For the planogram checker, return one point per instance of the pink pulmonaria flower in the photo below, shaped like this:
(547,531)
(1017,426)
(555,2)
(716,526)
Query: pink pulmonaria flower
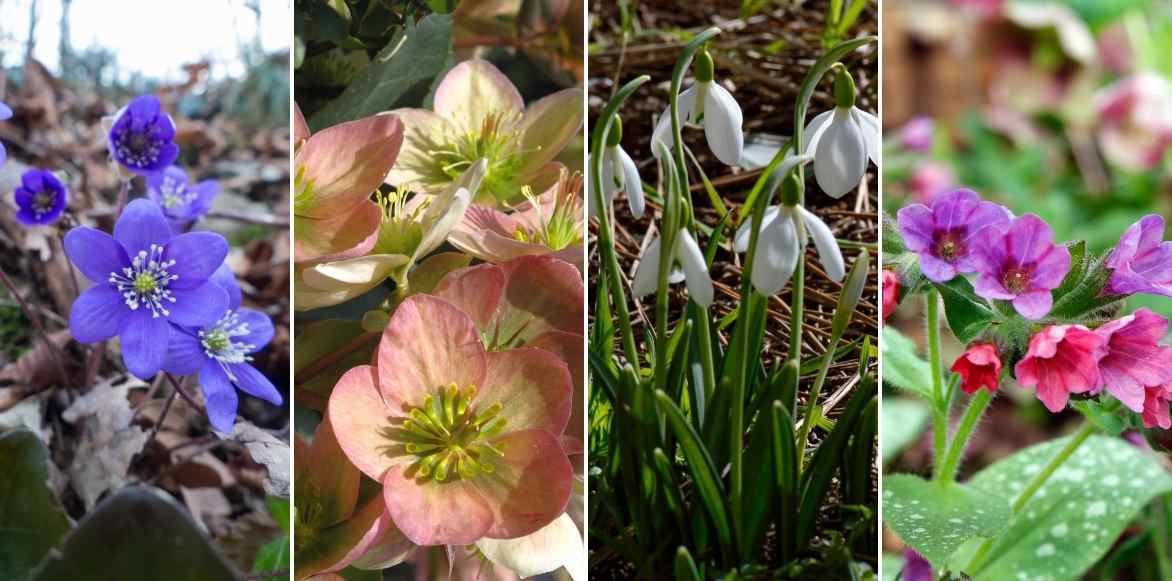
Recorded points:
(1135,359)
(1142,261)
(890,292)
(478,114)
(1156,402)
(336,170)
(551,223)
(465,442)
(1021,263)
(979,366)
(1136,121)
(916,567)
(916,135)
(1062,359)
(930,179)
(945,232)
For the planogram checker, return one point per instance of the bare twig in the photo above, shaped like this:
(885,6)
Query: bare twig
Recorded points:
(183,392)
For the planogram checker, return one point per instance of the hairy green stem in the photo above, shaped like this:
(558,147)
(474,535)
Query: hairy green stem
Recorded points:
(939,406)
(946,472)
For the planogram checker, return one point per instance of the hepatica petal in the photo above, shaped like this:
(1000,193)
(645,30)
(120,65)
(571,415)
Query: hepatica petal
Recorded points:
(95,253)
(141,225)
(144,343)
(198,306)
(531,486)
(98,314)
(219,396)
(197,255)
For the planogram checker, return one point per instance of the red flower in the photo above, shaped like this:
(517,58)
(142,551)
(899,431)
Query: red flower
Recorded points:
(979,366)
(890,292)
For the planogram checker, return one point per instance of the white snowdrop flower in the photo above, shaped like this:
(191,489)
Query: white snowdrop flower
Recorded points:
(841,140)
(688,265)
(784,231)
(619,174)
(706,102)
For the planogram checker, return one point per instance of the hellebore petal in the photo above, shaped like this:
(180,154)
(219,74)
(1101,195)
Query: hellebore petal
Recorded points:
(557,544)
(722,124)
(476,290)
(548,125)
(570,348)
(534,385)
(300,127)
(527,312)
(828,251)
(339,237)
(695,268)
(519,508)
(340,166)
(423,132)
(436,513)
(841,155)
(473,91)
(354,410)
(777,255)
(353,276)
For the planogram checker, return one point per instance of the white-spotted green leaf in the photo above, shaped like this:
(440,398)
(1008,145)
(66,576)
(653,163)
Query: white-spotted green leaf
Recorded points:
(936,519)
(1077,516)
(902,367)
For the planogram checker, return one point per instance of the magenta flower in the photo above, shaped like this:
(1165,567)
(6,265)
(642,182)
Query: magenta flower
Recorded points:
(916,135)
(1135,359)
(182,201)
(945,232)
(1020,263)
(141,138)
(929,179)
(5,114)
(1156,402)
(221,352)
(1062,359)
(464,441)
(1142,261)
(40,198)
(144,279)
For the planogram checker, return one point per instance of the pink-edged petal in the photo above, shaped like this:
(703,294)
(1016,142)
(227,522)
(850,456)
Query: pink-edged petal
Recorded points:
(533,386)
(345,164)
(436,513)
(478,234)
(334,480)
(519,508)
(383,546)
(543,293)
(429,343)
(336,547)
(141,225)
(548,124)
(472,91)
(338,237)
(476,290)
(555,545)
(571,349)
(357,412)
(95,253)
(300,127)
(423,132)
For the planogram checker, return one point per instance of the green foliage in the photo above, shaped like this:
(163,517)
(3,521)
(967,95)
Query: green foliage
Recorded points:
(902,367)
(31,520)
(274,555)
(904,419)
(968,314)
(937,518)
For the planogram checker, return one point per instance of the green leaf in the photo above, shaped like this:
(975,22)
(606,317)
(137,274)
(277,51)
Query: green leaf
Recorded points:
(279,509)
(31,520)
(1080,261)
(903,420)
(274,556)
(703,471)
(902,367)
(1077,516)
(685,566)
(968,315)
(936,519)
(166,543)
(405,67)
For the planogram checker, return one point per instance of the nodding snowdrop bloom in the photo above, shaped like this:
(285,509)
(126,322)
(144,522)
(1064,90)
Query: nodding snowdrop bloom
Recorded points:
(692,269)
(784,232)
(841,140)
(711,104)
(619,174)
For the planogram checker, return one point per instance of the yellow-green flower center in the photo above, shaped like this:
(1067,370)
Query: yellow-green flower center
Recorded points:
(144,282)
(497,142)
(448,437)
(559,226)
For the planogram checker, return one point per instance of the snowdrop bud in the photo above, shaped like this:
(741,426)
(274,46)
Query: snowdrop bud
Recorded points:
(791,190)
(615,135)
(704,68)
(844,89)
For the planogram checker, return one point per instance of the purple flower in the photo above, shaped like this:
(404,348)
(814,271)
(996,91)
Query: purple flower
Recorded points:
(5,113)
(945,233)
(220,353)
(916,135)
(1020,263)
(40,198)
(144,279)
(182,202)
(1142,261)
(916,567)
(141,137)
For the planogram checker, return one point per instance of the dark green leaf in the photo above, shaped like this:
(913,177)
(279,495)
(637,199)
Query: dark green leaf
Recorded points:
(31,520)
(685,566)
(968,314)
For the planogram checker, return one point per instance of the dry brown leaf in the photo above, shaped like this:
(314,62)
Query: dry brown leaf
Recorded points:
(209,506)
(107,441)
(37,368)
(267,450)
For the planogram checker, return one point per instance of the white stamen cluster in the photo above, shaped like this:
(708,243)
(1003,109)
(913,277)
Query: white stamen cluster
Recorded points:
(136,148)
(175,193)
(218,340)
(43,203)
(145,282)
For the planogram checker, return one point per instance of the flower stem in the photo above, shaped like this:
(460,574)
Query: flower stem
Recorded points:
(977,406)
(939,405)
(1080,437)
(183,392)
(54,350)
(123,196)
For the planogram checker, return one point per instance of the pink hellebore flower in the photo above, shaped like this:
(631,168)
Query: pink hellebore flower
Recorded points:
(1156,402)
(1135,359)
(549,224)
(478,113)
(1062,359)
(1136,121)
(464,441)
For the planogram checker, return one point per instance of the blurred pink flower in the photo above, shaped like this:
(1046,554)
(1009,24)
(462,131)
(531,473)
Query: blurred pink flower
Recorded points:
(1062,359)
(890,292)
(985,8)
(929,179)
(1156,402)
(916,135)
(1136,120)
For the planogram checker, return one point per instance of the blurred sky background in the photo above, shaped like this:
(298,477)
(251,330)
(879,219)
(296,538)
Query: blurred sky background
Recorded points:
(152,38)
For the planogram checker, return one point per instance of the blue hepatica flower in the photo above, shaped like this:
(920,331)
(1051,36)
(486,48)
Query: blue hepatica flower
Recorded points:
(145,279)
(182,201)
(141,138)
(221,351)
(5,113)
(40,198)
